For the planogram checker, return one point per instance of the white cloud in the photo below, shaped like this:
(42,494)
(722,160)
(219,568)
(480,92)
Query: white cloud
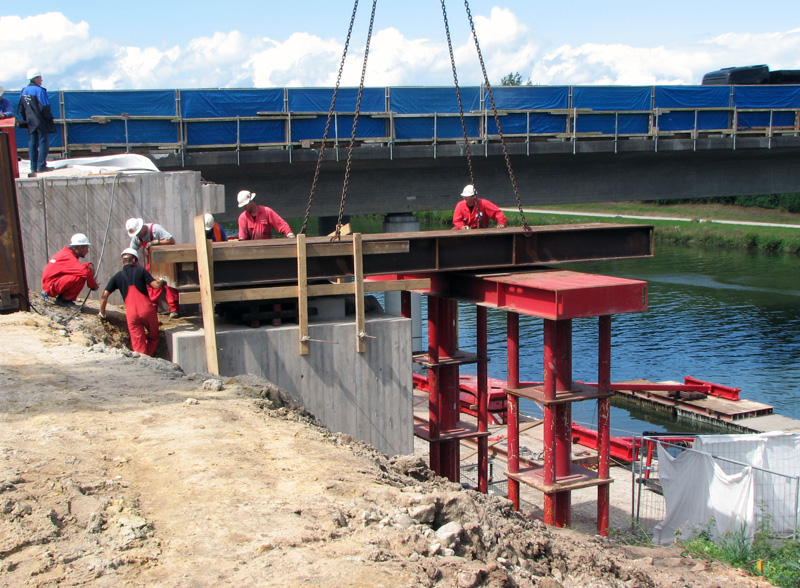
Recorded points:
(301,60)
(71,58)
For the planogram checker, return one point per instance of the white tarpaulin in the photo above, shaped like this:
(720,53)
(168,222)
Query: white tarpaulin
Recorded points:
(697,490)
(85,166)
(697,487)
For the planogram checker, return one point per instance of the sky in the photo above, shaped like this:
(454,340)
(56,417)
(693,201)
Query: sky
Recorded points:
(91,45)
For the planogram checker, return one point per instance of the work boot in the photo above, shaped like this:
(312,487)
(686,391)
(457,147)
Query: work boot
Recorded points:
(174,314)
(64,302)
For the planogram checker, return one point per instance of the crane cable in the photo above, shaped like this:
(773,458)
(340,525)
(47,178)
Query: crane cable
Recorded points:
(458,94)
(328,121)
(338,235)
(496,118)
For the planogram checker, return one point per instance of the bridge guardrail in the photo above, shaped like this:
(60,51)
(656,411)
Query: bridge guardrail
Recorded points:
(89,121)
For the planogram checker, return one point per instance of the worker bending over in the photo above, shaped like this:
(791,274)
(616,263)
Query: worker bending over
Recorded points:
(132,282)
(257,222)
(64,276)
(145,236)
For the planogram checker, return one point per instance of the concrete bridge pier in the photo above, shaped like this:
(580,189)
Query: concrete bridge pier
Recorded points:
(401,223)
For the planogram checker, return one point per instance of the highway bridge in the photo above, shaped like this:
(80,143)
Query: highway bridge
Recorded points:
(566,144)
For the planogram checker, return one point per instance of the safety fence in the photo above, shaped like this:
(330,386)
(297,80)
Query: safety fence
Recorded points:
(286,118)
(684,485)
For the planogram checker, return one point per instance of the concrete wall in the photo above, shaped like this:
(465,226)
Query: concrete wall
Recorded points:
(53,209)
(366,395)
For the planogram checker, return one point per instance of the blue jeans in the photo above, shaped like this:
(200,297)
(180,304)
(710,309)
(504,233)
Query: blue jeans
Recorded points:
(38,146)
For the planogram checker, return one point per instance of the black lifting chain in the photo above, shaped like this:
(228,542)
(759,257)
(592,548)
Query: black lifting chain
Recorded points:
(338,235)
(497,119)
(328,122)
(458,94)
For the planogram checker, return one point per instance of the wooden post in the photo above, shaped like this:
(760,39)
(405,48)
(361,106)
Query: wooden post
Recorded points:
(205,272)
(302,293)
(358,291)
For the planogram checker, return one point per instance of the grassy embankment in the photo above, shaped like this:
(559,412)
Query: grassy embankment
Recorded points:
(697,230)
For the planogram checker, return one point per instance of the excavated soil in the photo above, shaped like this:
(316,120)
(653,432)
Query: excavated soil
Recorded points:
(119,470)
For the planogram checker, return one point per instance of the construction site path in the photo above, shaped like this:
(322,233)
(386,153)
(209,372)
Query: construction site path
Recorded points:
(118,470)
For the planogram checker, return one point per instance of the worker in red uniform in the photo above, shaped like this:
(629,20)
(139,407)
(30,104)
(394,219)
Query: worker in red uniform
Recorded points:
(213,229)
(144,236)
(475,213)
(132,282)
(257,222)
(64,276)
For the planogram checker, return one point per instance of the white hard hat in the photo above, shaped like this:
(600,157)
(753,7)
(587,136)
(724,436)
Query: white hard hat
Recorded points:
(130,251)
(133,226)
(79,239)
(244,197)
(469,190)
(209,221)
(34,73)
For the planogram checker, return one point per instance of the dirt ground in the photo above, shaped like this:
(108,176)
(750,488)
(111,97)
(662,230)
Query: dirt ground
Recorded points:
(118,470)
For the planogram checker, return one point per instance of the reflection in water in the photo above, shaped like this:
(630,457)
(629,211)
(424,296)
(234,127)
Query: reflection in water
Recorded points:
(729,317)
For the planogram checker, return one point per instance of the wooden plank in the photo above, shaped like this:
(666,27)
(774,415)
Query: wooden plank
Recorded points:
(280,249)
(278,292)
(397,285)
(302,293)
(205,262)
(358,281)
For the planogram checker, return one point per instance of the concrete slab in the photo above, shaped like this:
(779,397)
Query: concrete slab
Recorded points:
(366,395)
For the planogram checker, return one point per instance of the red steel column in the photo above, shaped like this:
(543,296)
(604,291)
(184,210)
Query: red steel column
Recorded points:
(549,431)
(483,398)
(512,416)
(433,382)
(603,422)
(563,420)
(449,406)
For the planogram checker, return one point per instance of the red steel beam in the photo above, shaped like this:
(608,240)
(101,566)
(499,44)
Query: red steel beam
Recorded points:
(548,294)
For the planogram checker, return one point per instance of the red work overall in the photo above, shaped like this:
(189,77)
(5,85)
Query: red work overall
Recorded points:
(140,313)
(171,294)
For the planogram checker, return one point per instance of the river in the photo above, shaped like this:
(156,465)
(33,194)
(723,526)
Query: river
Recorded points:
(728,317)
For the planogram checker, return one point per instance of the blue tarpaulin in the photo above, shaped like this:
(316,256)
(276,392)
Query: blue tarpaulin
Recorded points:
(85,104)
(434,101)
(319,100)
(766,97)
(693,97)
(528,98)
(412,114)
(230,103)
(611,98)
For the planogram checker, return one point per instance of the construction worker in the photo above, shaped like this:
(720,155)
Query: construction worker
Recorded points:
(145,236)
(64,276)
(133,282)
(475,213)
(213,230)
(257,222)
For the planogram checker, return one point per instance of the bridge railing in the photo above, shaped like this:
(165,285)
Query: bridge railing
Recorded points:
(291,118)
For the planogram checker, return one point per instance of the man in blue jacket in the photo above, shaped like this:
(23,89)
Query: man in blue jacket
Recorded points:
(34,110)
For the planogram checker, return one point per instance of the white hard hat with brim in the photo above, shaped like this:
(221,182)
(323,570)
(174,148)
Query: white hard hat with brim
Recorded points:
(469,190)
(34,73)
(133,226)
(208,221)
(244,197)
(130,251)
(78,240)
